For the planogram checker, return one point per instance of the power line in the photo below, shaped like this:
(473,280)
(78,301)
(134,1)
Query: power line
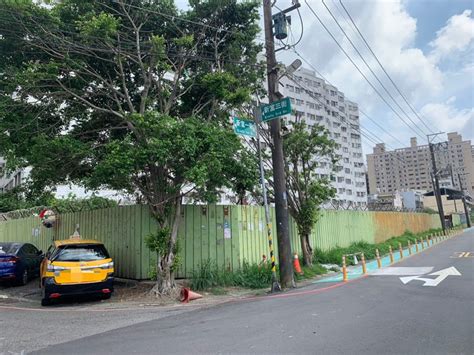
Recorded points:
(341,121)
(383,68)
(381,127)
(370,68)
(366,115)
(366,135)
(360,71)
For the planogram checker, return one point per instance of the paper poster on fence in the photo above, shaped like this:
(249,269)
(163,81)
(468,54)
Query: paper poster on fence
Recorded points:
(227,232)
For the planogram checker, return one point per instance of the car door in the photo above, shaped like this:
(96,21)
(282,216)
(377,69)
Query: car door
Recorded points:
(24,260)
(36,257)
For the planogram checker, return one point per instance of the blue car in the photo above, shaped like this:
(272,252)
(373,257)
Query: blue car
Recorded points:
(19,262)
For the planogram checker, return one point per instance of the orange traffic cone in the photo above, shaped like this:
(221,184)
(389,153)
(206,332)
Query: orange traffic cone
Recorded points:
(188,295)
(296,265)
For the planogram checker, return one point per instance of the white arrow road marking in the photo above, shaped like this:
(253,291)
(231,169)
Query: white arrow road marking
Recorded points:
(442,274)
(4,296)
(402,271)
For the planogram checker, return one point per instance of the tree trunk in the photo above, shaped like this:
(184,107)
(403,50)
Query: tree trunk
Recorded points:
(165,282)
(307,250)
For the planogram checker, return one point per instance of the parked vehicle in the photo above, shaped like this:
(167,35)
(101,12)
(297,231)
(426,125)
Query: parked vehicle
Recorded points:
(19,262)
(76,267)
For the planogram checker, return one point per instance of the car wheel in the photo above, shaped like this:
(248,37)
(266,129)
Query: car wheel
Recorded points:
(23,280)
(45,302)
(106,296)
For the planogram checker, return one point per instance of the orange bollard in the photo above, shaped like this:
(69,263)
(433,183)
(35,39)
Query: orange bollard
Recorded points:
(390,253)
(377,257)
(344,269)
(364,267)
(409,248)
(416,245)
(400,250)
(296,265)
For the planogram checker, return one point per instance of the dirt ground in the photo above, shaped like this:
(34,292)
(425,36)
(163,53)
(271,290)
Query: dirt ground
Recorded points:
(127,292)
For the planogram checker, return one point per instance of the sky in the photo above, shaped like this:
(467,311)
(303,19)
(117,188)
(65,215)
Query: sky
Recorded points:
(426,46)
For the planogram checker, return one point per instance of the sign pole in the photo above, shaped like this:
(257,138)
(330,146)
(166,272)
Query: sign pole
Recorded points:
(275,285)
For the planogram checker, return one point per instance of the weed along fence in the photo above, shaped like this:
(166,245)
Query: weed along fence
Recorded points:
(227,235)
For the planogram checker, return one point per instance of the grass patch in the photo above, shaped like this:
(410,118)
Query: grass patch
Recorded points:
(218,291)
(208,276)
(310,272)
(334,256)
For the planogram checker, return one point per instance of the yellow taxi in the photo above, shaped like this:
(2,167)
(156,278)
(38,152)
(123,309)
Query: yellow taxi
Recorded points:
(76,267)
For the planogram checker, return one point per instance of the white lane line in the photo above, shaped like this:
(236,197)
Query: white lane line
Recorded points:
(402,271)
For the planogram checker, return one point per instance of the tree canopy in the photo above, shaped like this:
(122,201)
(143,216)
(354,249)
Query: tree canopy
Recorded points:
(128,94)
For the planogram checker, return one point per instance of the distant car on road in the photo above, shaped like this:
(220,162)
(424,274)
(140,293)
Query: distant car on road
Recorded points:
(19,262)
(76,267)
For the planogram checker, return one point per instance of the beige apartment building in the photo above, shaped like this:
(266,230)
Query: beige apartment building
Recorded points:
(409,168)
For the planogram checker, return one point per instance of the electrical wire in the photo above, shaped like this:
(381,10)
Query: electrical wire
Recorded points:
(350,127)
(383,68)
(366,115)
(209,26)
(360,71)
(370,69)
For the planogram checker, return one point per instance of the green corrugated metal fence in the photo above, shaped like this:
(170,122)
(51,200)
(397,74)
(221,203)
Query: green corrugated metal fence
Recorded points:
(228,235)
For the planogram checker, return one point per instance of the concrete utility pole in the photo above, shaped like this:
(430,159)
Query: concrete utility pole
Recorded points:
(279,179)
(452,182)
(468,221)
(436,189)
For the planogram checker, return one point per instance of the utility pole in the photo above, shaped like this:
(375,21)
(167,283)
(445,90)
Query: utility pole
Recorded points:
(279,178)
(452,182)
(468,221)
(436,189)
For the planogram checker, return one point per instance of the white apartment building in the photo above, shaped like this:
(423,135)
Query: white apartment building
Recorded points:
(410,168)
(11,180)
(320,103)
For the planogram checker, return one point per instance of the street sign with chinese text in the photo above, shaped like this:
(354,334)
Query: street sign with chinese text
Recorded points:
(276,109)
(244,128)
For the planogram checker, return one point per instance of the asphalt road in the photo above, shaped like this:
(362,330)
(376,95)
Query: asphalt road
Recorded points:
(370,315)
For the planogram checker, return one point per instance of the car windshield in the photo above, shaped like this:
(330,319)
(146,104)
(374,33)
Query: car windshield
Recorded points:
(9,248)
(81,253)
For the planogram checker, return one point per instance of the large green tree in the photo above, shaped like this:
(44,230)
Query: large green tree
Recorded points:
(130,95)
(306,148)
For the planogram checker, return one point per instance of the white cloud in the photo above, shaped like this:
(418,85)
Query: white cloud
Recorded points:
(391,32)
(446,117)
(456,36)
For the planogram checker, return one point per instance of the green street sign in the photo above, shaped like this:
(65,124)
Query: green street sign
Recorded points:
(245,128)
(276,109)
